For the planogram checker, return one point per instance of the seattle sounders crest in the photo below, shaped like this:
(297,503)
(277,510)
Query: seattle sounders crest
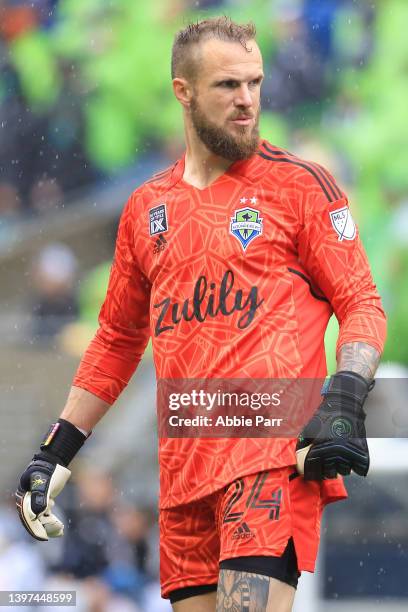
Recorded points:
(246,225)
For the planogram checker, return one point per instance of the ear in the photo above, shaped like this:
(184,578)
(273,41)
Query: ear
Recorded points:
(183,91)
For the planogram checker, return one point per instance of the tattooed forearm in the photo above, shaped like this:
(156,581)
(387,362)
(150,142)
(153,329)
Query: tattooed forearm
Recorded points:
(242,592)
(358,357)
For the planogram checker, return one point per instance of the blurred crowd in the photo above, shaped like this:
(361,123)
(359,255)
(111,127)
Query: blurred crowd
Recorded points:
(110,557)
(76,103)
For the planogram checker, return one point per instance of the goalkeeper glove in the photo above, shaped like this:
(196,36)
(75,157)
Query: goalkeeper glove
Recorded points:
(45,477)
(334,441)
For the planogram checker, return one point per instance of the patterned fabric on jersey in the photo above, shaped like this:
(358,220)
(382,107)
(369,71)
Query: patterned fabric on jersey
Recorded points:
(237,280)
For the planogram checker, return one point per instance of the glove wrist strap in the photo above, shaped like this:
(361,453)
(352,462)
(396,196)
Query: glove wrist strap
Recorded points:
(62,442)
(348,385)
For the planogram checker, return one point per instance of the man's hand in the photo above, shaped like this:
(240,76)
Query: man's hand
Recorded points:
(44,479)
(40,483)
(334,441)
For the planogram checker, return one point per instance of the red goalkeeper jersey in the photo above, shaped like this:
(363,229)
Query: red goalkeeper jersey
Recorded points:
(237,280)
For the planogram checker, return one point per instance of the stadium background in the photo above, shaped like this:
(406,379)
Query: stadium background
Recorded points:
(86,114)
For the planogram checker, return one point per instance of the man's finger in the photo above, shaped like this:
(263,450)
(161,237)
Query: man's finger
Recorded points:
(313,468)
(301,455)
(30,520)
(52,525)
(343,467)
(361,467)
(330,469)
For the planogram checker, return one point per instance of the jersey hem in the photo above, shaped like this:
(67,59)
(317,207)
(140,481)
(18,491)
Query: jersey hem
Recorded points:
(165,503)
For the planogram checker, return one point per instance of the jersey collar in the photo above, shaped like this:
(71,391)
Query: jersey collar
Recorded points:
(244,168)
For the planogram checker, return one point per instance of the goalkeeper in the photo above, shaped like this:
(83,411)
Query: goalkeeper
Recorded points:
(233,261)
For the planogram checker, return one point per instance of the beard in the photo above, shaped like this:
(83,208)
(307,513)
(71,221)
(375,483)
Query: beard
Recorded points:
(219,141)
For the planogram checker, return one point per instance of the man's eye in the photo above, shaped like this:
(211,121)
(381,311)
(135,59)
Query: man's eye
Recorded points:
(229,84)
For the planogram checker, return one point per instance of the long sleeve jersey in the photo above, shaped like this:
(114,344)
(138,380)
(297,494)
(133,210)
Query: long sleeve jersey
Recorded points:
(237,280)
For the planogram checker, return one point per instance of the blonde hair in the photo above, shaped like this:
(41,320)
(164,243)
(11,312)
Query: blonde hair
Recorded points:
(183,60)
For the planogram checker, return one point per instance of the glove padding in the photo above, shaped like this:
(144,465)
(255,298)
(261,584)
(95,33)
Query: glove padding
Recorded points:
(41,482)
(334,441)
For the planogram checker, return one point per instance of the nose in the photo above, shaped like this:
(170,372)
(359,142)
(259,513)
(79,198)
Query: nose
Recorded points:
(243,97)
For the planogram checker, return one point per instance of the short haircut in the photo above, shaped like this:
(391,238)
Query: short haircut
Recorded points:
(183,58)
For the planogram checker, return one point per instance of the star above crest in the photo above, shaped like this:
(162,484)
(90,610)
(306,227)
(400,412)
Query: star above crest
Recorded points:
(244,200)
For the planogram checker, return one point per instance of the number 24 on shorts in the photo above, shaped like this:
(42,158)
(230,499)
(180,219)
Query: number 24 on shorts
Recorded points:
(254,499)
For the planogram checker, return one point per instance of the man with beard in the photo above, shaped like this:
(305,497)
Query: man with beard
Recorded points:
(233,260)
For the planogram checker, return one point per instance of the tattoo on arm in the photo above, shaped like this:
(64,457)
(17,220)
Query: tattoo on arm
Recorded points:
(358,357)
(242,592)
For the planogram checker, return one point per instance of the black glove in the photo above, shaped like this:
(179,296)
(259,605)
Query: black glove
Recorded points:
(334,441)
(45,477)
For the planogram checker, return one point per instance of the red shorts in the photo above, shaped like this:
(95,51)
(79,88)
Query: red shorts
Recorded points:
(256,515)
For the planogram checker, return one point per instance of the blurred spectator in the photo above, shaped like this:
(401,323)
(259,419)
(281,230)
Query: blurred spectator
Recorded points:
(352,38)
(319,17)
(46,11)
(54,301)
(19,16)
(132,525)
(16,18)
(295,75)
(340,31)
(42,152)
(127,571)
(100,598)
(87,549)
(107,547)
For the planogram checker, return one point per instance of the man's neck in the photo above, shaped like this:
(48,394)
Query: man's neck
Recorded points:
(202,167)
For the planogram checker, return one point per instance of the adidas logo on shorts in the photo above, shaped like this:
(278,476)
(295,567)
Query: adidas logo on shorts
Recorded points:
(243,532)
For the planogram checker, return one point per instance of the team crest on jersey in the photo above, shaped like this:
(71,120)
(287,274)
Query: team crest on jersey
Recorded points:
(343,223)
(246,225)
(158,220)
